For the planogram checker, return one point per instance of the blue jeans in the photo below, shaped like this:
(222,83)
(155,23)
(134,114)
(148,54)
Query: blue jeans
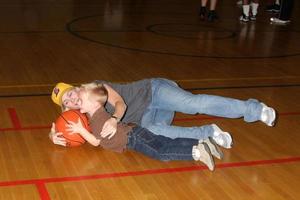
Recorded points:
(168,98)
(160,147)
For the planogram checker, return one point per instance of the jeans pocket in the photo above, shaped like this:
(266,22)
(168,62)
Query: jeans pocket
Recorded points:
(144,135)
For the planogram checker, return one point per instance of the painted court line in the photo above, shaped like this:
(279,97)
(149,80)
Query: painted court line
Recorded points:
(14,118)
(150,172)
(41,183)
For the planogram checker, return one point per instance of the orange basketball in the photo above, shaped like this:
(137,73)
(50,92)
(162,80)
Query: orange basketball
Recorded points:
(74,139)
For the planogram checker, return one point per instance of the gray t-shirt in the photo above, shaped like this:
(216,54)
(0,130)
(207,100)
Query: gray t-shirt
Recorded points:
(137,96)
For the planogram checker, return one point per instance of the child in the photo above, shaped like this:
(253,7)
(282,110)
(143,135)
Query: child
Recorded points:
(249,10)
(94,96)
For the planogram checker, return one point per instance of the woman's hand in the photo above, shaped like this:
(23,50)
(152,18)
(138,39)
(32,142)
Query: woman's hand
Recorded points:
(109,128)
(74,127)
(56,137)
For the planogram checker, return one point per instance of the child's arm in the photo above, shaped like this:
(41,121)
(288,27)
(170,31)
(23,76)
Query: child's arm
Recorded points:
(73,127)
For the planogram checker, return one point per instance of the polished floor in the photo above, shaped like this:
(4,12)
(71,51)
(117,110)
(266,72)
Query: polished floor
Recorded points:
(44,42)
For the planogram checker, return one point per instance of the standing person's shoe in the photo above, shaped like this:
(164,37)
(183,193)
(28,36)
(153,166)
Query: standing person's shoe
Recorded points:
(253,17)
(268,115)
(212,15)
(244,18)
(273,8)
(275,20)
(202,12)
(202,153)
(213,147)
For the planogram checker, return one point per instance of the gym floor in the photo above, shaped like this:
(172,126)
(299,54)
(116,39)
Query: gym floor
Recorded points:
(45,42)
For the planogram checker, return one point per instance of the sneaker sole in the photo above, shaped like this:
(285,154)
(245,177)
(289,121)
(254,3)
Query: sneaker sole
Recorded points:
(211,164)
(214,149)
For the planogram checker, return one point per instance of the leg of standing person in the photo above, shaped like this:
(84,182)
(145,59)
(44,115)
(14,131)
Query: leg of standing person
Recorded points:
(254,8)
(203,9)
(246,11)
(273,6)
(212,15)
(286,8)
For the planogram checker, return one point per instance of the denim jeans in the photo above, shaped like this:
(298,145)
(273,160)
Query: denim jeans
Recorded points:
(160,147)
(168,98)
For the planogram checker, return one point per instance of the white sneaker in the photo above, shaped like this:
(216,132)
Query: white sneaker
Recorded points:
(202,153)
(222,138)
(213,147)
(268,115)
(276,20)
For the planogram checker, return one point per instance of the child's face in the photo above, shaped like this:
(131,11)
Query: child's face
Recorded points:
(88,104)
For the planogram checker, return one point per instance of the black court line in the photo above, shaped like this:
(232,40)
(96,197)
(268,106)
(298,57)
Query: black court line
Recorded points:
(77,34)
(190,89)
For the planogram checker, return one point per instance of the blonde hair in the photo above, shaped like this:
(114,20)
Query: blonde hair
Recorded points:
(96,91)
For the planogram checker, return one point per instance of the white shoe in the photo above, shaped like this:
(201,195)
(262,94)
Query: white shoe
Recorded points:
(268,115)
(213,147)
(222,138)
(202,153)
(276,20)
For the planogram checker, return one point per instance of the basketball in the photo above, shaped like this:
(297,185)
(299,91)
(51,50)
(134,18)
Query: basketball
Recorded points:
(74,139)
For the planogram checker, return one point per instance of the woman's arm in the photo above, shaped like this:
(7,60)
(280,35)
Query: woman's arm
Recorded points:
(73,127)
(56,137)
(116,101)
(110,126)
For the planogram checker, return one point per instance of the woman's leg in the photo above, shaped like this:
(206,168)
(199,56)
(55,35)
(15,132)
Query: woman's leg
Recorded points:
(158,122)
(151,121)
(166,95)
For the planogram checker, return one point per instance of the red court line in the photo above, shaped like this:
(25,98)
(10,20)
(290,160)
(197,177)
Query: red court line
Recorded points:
(43,192)
(14,118)
(149,172)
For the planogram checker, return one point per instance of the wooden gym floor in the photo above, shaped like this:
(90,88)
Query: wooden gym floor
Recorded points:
(44,42)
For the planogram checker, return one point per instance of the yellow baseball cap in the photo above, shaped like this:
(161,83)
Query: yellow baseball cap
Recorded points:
(59,90)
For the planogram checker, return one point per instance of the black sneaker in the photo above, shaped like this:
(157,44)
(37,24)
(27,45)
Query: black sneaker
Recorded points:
(253,17)
(212,15)
(202,12)
(244,18)
(273,8)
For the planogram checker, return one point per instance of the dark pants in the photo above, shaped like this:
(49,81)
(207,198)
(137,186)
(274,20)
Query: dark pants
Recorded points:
(160,147)
(286,8)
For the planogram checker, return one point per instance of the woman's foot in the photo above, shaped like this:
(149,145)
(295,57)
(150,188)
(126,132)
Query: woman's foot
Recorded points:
(202,153)
(268,115)
(222,138)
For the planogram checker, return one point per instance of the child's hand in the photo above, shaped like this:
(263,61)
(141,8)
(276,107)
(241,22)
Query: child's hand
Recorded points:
(73,127)
(109,128)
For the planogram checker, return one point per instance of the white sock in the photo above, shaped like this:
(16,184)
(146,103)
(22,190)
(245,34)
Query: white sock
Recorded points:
(254,7)
(277,2)
(246,9)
